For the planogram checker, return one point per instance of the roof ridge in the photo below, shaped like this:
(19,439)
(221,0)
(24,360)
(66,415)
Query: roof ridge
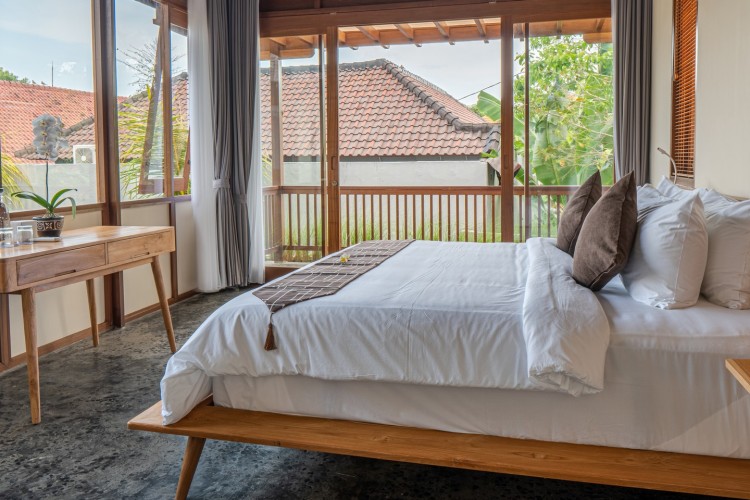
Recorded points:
(309,68)
(414,84)
(46,87)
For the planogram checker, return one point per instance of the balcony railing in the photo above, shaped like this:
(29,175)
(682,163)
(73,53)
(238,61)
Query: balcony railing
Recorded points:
(294,215)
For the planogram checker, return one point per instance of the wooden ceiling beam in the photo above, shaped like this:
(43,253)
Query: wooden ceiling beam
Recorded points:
(482,30)
(289,19)
(373,35)
(279,41)
(444,31)
(408,32)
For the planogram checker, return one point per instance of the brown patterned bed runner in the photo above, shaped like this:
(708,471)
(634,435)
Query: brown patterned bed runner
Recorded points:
(325,277)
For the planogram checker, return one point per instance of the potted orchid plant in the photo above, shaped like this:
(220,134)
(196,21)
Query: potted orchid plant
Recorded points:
(48,141)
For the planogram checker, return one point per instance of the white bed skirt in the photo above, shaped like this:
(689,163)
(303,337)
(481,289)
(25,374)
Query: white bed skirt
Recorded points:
(655,400)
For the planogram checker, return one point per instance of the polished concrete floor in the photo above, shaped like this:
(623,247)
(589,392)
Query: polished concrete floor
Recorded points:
(83,450)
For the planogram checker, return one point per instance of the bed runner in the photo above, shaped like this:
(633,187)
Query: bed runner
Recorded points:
(325,277)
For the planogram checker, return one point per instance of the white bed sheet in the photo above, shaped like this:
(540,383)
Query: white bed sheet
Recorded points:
(665,389)
(434,314)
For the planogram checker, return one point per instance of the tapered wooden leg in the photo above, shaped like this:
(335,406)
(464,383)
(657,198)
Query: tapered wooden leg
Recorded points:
(92,312)
(193,452)
(156,268)
(32,354)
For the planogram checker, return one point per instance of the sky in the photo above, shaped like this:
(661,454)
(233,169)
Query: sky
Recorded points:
(461,69)
(34,35)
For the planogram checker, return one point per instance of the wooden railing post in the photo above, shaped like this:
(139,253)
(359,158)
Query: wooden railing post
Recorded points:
(444,213)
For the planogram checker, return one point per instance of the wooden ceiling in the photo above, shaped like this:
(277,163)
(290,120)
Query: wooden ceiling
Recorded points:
(386,35)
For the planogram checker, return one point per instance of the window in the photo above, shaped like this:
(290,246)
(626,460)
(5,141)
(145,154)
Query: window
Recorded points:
(563,117)
(683,86)
(47,69)
(151,68)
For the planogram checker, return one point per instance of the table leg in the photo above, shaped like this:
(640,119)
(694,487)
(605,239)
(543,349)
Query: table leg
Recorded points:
(159,281)
(32,354)
(92,312)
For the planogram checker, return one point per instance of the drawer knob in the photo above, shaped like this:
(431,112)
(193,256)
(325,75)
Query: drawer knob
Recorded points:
(65,272)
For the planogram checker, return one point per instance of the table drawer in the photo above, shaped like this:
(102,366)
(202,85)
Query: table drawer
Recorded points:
(59,263)
(140,247)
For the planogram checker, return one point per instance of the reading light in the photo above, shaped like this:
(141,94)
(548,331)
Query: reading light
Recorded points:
(674,165)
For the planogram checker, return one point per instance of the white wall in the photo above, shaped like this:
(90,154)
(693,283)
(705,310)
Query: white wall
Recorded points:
(722,104)
(393,173)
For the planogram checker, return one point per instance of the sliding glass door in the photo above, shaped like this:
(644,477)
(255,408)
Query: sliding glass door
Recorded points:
(402,130)
(563,107)
(419,129)
(293,132)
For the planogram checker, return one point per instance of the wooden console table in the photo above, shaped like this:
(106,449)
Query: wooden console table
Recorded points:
(82,255)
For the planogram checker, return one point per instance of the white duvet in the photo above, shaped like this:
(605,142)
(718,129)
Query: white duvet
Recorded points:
(450,314)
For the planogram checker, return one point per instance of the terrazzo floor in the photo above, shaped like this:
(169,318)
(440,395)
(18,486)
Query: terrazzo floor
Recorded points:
(82,448)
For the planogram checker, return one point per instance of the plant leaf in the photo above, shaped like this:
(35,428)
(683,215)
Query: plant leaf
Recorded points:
(58,194)
(72,204)
(27,195)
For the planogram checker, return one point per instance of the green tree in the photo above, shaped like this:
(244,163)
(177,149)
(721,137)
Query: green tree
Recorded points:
(570,110)
(11,77)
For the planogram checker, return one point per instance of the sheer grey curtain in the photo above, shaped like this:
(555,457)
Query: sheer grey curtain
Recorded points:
(631,23)
(233,53)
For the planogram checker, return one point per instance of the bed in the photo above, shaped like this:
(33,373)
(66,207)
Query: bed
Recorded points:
(488,342)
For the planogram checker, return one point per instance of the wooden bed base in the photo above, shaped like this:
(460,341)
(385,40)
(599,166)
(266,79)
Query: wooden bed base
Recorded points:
(591,464)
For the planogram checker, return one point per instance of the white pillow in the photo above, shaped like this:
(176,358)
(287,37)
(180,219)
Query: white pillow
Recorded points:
(666,265)
(727,278)
(649,199)
(669,188)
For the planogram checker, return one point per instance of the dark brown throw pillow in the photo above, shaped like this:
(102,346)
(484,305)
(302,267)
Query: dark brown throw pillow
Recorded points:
(607,236)
(575,212)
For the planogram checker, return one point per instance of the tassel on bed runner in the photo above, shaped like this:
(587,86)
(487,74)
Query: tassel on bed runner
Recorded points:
(325,277)
(270,339)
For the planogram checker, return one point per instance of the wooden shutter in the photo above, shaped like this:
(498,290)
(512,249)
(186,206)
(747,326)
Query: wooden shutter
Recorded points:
(683,86)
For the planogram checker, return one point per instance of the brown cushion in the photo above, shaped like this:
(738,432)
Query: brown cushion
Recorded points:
(607,236)
(576,211)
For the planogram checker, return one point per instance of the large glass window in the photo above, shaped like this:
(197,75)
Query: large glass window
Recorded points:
(46,67)
(564,116)
(180,117)
(141,102)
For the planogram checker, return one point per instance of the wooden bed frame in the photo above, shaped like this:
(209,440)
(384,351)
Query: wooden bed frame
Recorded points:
(591,464)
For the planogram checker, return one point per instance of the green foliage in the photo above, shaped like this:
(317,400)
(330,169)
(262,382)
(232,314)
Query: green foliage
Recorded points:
(11,77)
(51,204)
(570,109)
(13,179)
(487,106)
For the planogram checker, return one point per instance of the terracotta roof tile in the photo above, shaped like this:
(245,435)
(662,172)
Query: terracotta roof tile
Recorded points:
(20,103)
(82,133)
(384,111)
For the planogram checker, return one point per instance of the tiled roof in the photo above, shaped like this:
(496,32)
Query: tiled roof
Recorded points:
(20,103)
(82,133)
(384,111)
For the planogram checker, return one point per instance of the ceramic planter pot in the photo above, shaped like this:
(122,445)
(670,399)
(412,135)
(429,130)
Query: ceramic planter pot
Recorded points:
(49,226)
